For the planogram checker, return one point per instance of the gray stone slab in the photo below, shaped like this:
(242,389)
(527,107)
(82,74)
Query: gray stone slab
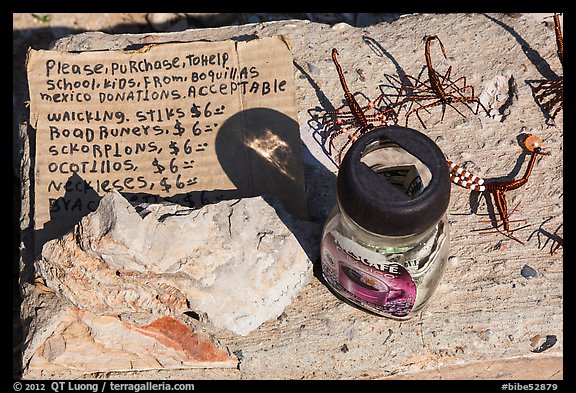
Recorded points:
(484,314)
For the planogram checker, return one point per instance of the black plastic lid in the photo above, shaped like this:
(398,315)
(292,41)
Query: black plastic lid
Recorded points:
(380,206)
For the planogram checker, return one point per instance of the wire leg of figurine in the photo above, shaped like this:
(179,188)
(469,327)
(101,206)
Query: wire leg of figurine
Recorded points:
(456,109)
(480,105)
(504,215)
(378,100)
(423,107)
(553,116)
(506,232)
(469,98)
(453,107)
(340,121)
(454,86)
(444,110)
(447,77)
(333,135)
(548,91)
(351,139)
(550,104)
(500,202)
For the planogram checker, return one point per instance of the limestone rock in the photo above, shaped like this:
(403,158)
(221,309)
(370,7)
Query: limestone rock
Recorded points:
(498,95)
(235,263)
(68,340)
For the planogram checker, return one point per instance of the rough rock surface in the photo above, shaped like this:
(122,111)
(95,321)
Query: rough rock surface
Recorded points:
(234,262)
(484,315)
(110,291)
(79,340)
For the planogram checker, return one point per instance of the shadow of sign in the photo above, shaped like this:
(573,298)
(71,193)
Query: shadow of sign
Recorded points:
(261,153)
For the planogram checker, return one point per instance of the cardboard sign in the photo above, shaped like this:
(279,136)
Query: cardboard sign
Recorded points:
(189,122)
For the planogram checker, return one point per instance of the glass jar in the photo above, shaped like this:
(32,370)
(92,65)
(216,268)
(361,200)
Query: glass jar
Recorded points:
(386,242)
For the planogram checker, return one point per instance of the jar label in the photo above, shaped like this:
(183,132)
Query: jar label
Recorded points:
(367,278)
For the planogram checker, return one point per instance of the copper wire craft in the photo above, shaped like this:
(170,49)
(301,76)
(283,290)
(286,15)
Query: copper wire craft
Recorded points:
(437,88)
(549,94)
(357,118)
(498,188)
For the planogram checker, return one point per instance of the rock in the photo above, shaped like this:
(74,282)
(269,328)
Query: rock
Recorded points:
(70,339)
(235,263)
(540,345)
(498,95)
(527,272)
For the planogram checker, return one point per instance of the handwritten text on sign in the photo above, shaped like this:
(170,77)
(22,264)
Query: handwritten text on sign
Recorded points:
(146,121)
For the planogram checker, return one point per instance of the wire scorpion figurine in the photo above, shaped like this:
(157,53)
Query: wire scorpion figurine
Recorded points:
(499,188)
(356,117)
(440,89)
(553,89)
